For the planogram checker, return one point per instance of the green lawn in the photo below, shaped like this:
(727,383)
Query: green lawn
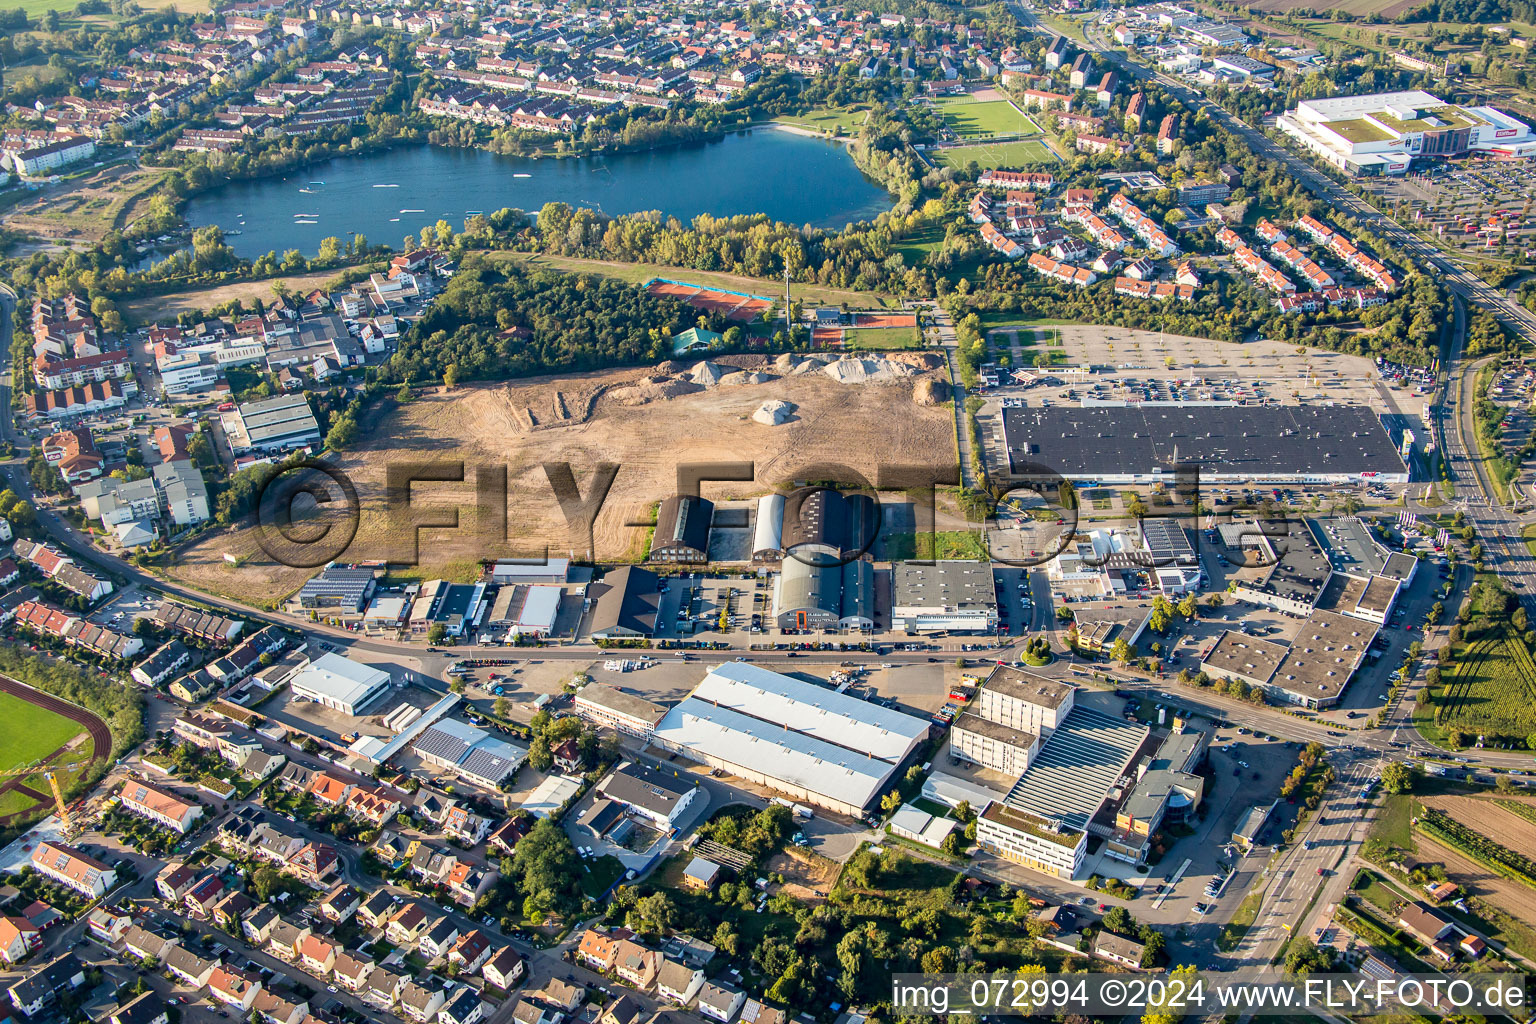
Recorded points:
(960,544)
(639,273)
(602,873)
(981,119)
(881,337)
(828,119)
(997,155)
(28,733)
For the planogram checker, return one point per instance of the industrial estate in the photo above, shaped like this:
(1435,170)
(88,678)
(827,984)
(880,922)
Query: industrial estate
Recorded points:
(662,513)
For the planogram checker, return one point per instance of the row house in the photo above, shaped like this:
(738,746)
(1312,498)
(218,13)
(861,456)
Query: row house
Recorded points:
(1099,144)
(1034,180)
(47,620)
(1313,274)
(84,400)
(160,806)
(1001,242)
(1040,99)
(1065,273)
(1269,231)
(73,869)
(1133,288)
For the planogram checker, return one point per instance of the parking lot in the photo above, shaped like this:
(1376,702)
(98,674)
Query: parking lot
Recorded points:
(1477,204)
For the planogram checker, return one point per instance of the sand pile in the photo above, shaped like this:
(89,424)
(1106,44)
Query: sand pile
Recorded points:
(773,412)
(917,360)
(706,373)
(853,370)
(929,392)
(746,377)
(654,389)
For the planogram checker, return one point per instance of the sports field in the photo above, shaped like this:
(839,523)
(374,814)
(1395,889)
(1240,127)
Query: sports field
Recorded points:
(28,732)
(971,118)
(997,156)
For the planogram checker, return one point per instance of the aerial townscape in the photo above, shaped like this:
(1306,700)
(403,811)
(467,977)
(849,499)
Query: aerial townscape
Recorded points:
(663,512)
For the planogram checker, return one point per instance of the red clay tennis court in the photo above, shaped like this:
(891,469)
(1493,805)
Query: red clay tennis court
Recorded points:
(733,305)
(884,320)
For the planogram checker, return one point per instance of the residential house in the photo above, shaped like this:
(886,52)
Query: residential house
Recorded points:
(438,939)
(18,938)
(505,969)
(597,950)
(383,987)
(623,1010)
(146,1008)
(108,924)
(314,865)
(317,955)
(635,965)
(376,910)
(258,927)
(274,1009)
(470,952)
(463,1007)
(40,989)
(350,972)
(420,1003)
(506,835)
(186,965)
(340,904)
(142,944)
(467,827)
(406,926)
(719,1001)
(677,981)
(234,987)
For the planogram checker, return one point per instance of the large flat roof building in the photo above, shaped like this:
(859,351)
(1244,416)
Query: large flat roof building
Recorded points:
(1143,443)
(272,424)
(339,683)
(953,596)
(1043,822)
(1382,133)
(805,740)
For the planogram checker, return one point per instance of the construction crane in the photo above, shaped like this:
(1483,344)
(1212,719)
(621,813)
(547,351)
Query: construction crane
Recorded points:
(53,783)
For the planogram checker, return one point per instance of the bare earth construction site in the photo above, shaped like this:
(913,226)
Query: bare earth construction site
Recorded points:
(648,421)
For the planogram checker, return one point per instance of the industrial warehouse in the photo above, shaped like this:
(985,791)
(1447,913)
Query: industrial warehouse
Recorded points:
(814,744)
(1143,443)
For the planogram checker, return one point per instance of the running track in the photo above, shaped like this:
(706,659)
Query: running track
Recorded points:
(101,737)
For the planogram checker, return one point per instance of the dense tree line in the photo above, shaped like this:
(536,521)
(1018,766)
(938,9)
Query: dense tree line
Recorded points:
(577,322)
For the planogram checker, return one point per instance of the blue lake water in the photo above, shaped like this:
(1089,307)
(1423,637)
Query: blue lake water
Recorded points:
(388,195)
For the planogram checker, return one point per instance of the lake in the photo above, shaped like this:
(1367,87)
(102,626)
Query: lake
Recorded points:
(388,195)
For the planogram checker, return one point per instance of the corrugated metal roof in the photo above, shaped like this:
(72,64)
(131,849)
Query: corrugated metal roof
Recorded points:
(1073,773)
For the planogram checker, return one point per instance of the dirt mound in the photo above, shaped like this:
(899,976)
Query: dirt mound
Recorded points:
(654,389)
(706,373)
(929,392)
(917,360)
(773,412)
(853,370)
(747,377)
